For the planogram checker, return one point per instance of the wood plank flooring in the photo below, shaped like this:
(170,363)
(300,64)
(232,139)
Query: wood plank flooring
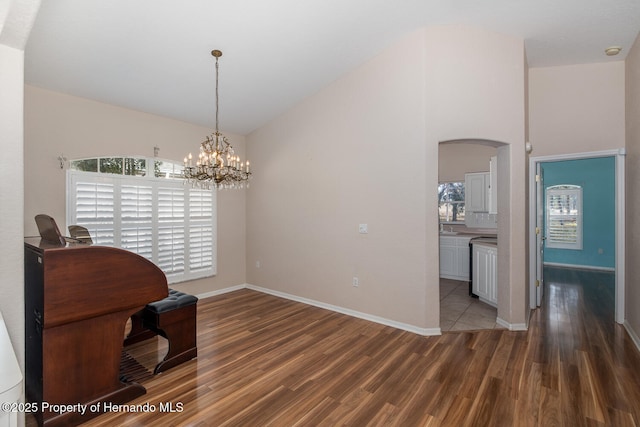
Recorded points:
(266,361)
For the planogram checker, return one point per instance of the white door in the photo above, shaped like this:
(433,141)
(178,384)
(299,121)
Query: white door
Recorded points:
(540,238)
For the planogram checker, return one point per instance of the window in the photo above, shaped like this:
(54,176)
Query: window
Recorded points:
(152,214)
(451,202)
(564,217)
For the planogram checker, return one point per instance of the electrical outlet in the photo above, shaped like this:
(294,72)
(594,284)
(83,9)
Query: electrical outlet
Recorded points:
(363,228)
(257,264)
(356,282)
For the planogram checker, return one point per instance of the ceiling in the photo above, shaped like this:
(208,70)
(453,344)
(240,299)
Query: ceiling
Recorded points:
(154,55)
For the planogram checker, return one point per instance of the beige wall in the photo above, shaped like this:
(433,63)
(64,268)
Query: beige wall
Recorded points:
(577,108)
(353,153)
(632,297)
(58,124)
(475,89)
(365,150)
(454,160)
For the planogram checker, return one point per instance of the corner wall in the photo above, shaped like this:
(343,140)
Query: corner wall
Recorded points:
(11,194)
(632,107)
(16,20)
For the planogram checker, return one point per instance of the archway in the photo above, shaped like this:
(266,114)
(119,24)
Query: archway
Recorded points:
(457,157)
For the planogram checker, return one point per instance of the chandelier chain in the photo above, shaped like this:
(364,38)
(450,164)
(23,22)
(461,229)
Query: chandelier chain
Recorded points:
(217,94)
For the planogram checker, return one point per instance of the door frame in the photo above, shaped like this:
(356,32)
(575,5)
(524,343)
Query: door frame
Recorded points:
(539,235)
(620,230)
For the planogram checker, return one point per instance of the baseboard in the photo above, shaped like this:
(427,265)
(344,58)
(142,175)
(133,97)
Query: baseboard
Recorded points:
(579,267)
(511,326)
(221,291)
(632,334)
(372,318)
(349,312)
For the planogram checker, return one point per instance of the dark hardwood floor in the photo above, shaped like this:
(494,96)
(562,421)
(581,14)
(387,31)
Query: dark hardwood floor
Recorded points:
(266,361)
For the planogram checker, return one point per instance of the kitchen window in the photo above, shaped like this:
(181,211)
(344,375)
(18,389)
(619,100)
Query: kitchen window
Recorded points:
(564,217)
(451,202)
(142,205)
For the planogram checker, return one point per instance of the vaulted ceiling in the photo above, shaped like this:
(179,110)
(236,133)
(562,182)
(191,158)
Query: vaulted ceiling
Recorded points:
(154,55)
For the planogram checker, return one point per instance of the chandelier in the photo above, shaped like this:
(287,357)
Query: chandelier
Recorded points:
(217,166)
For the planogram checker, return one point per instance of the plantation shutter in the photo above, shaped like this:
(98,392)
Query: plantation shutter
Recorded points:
(201,232)
(136,204)
(171,229)
(160,219)
(564,217)
(94,209)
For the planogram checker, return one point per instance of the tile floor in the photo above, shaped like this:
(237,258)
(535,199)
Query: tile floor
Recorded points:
(460,312)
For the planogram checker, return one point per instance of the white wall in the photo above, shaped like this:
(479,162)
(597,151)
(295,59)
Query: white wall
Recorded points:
(16,21)
(11,192)
(58,124)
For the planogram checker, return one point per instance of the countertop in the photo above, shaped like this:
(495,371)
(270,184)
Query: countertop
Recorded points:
(486,241)
(475,238)
(467,234)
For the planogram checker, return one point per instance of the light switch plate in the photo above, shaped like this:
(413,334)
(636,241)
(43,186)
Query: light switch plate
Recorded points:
(363,229)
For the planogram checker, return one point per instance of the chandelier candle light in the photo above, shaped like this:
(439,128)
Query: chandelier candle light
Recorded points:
(217,165)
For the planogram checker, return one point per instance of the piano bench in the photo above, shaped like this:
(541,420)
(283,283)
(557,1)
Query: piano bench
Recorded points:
(173,318)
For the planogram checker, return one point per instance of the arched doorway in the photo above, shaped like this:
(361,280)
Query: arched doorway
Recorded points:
(458,309)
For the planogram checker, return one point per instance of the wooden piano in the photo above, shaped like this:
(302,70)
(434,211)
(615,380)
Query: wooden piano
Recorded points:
(78,299)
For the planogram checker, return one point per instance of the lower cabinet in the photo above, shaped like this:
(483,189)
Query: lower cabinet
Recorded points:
(485,277)
(454,257)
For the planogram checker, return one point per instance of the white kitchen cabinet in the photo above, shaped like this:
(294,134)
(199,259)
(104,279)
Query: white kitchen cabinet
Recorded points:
(485,277)
(454,257)
(476,191)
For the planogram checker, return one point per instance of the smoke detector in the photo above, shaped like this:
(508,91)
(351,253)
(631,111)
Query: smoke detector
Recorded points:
(612,50)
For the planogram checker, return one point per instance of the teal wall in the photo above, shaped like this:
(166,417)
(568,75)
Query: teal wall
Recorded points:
(597,179)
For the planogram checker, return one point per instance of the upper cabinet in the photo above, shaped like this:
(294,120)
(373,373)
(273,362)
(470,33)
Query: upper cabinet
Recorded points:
(476,187)
(481,197)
